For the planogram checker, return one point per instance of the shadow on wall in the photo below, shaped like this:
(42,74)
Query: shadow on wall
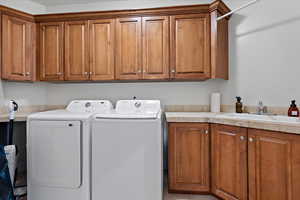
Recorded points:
(242,53)
(270,26)
(231,86)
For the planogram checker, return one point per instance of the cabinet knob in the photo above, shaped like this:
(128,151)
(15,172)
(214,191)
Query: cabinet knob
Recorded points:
(242,138)
(206,132)
(139,71)
(251,139)
(91,73)
(173,70)
(59,73)
(27,73)
(86,73)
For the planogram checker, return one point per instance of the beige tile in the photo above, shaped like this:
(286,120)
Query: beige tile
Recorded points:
(186,108)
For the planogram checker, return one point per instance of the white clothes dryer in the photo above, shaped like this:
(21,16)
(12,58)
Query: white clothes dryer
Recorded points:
(58,151)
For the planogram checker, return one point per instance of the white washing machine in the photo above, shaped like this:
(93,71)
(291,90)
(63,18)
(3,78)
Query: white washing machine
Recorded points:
(127,152)
(58,151)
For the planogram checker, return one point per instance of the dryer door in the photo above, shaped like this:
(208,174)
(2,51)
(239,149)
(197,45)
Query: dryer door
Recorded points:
(55,153)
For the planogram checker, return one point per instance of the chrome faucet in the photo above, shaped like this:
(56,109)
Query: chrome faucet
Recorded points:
(261,109)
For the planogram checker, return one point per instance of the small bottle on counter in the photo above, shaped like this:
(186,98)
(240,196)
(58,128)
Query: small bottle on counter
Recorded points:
(293,110)
(239,105)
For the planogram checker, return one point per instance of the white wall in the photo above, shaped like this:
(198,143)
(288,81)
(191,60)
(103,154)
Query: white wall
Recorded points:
(25,93)
(169,93)
(24,5)
(264,48)
(264,53)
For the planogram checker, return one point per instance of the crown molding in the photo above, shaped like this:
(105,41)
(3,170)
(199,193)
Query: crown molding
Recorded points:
(217,5)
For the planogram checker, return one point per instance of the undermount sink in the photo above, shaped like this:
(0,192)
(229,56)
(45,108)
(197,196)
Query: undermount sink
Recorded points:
(274,118)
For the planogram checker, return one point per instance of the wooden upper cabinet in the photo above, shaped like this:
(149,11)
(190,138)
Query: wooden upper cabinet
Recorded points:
(219,47)
(229,162)
(189,157)
(155,47)
(128,50)
(274,165)
(102,46)
(18,49)
(76,51)
(190,46)
(51,51)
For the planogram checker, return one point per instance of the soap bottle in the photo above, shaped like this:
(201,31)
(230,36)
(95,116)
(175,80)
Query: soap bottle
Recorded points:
(239,105)
(293,110)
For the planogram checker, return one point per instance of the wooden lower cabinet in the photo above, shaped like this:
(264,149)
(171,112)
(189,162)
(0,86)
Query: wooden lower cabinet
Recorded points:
(189,157)
(274,165)
(246,164)
(229,162)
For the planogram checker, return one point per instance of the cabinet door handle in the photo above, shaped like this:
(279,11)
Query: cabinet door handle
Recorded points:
(242,138)
(251,139)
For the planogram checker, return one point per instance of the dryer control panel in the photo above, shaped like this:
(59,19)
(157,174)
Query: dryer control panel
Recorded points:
(90,106)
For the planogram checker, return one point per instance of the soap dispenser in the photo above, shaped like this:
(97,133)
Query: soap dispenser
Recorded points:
(239,105)
(293,110)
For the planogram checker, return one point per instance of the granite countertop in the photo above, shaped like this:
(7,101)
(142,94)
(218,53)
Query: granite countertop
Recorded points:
(272,123)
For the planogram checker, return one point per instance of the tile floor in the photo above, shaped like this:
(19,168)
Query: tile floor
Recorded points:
(168,196)
(172,196)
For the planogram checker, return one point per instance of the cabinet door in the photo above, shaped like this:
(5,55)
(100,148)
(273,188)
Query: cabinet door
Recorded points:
(274,165)
(229,162)
(190,46)
(129,56)
(19,50)
(155,47)
(76,51)
(51,51)
(31,52)
(102,45)
(189,157)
